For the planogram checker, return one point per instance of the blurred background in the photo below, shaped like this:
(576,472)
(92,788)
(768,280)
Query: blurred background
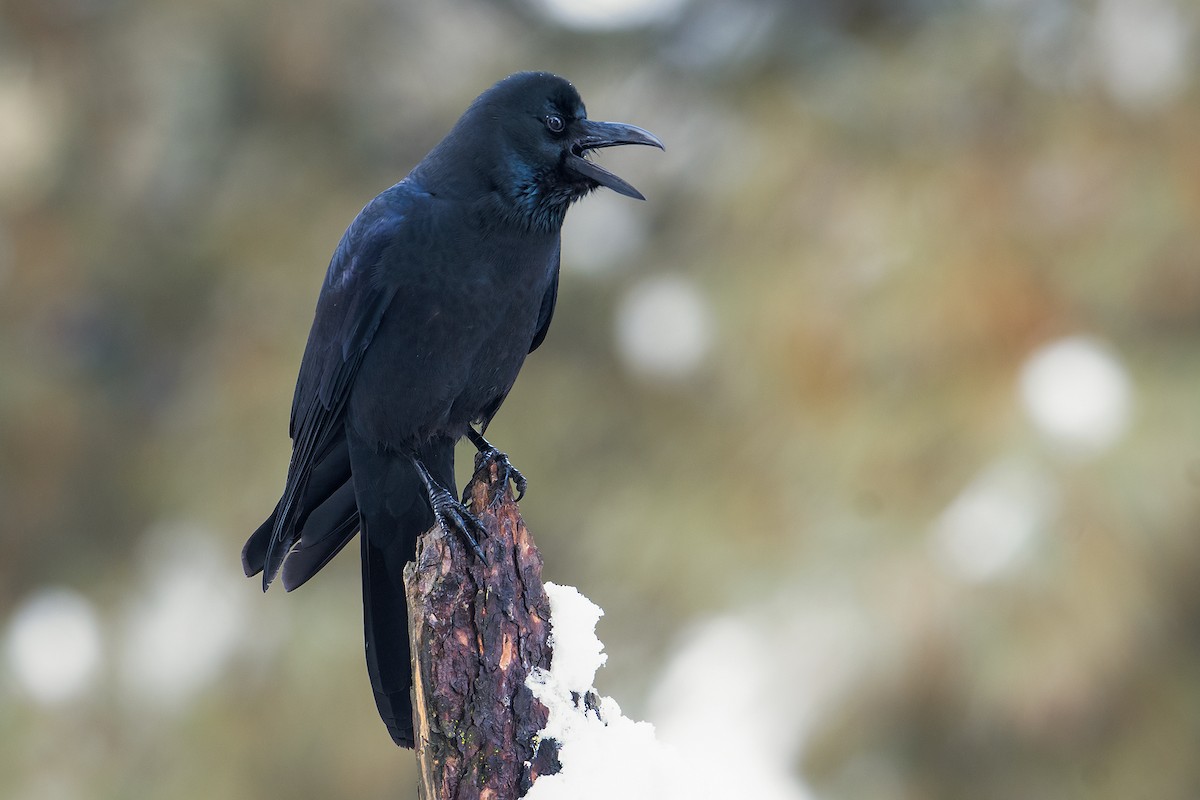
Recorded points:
(874,431)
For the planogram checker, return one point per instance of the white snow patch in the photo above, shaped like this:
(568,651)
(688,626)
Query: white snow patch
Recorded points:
(578,653)
(737,701)
(604,755)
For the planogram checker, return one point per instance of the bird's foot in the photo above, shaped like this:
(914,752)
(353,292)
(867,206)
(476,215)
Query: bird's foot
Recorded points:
(451,514)
(489,455)
(504,468)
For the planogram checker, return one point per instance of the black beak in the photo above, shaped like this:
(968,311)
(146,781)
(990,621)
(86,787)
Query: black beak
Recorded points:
(592,135)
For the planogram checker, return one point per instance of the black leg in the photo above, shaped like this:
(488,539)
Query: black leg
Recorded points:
(449,512)
(489,455)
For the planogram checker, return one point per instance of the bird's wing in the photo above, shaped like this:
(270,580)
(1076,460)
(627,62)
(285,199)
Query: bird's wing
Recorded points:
(353,300)
(546,313)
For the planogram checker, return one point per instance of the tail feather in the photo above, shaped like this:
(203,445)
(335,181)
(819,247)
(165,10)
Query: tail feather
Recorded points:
(327,530)
(321,519)
(254,553)
(354,486)
(385,623)
(395,512)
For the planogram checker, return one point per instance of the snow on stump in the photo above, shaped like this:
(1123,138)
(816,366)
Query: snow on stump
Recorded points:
(478,630)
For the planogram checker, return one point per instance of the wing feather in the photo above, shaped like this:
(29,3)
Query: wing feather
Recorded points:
(546,313)
(352,304)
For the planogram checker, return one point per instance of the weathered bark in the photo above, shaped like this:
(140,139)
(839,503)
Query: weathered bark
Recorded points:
(477,630)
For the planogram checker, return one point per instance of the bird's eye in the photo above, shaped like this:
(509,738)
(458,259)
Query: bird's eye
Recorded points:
(555,123)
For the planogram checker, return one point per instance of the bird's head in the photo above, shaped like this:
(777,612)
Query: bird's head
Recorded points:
(531,137)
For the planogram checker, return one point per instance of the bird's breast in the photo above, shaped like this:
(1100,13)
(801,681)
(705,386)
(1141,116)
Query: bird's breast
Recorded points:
(454,338)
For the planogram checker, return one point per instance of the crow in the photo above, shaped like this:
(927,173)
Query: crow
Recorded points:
(438,290)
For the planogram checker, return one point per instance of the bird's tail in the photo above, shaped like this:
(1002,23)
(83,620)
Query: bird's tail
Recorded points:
(385,623)
(324,520)
(394,512)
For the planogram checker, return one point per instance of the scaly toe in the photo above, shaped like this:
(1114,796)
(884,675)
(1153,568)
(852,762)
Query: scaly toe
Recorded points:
(507,472)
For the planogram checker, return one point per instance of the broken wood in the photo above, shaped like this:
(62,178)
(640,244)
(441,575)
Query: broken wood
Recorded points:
(477,630)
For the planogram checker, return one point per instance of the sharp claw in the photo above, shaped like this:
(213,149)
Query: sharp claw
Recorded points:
(489,455)
(452,515)
(475,542)
(514,476)
(508,473)
(520,483)
(471,540)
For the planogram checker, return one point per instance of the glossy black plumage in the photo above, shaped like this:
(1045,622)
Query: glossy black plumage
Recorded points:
(438,290)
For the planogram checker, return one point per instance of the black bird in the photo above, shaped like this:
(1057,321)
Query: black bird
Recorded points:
(436,293)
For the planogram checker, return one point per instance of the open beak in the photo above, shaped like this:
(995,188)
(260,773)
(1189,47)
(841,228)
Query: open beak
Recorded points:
(593,135)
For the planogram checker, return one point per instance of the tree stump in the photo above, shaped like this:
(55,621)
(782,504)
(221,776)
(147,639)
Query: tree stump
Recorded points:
(477,630)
